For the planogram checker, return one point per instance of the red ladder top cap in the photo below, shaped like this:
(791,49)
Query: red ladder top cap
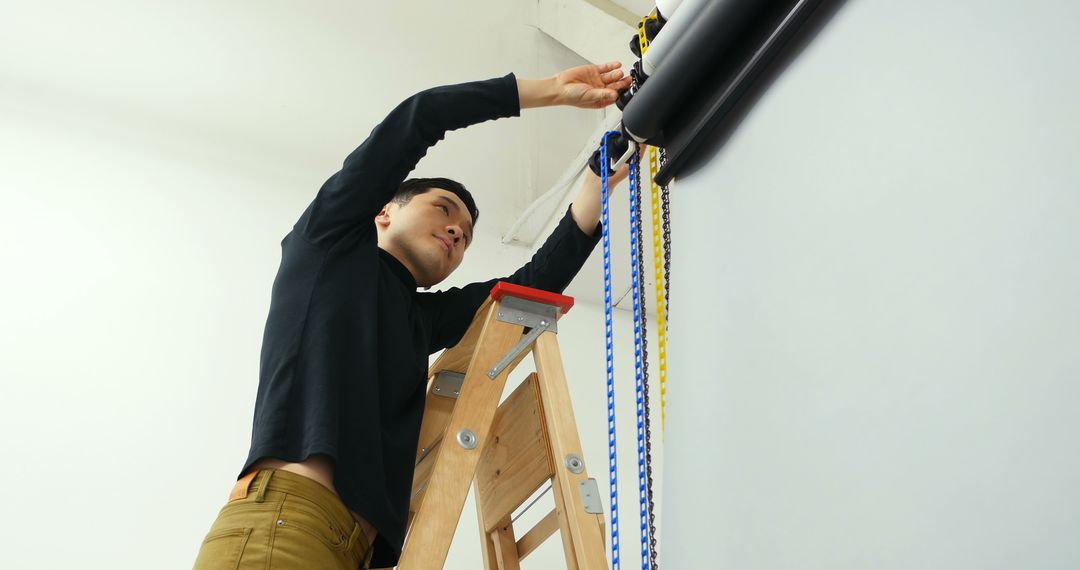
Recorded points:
(502,288)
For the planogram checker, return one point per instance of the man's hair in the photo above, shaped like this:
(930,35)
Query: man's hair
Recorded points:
(416,186)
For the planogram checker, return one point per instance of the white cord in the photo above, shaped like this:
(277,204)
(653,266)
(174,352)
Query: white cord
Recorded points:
(560,188)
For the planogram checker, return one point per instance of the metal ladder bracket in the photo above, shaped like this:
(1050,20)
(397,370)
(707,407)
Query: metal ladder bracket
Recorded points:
(448,384)
(590,495)
(529,314)
(538,317)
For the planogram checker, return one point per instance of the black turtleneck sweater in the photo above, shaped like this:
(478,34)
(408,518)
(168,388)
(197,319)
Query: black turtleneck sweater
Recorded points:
(345,350)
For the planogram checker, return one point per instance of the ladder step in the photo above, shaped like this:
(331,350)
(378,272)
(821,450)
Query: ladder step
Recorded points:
(515,462)
(538,534)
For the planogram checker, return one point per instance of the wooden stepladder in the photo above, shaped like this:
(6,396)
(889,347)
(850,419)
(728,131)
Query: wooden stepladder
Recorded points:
(509,451)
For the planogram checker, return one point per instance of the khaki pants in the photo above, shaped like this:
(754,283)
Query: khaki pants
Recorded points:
(280,520)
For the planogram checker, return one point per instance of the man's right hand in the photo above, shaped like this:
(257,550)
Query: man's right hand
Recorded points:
(584,86)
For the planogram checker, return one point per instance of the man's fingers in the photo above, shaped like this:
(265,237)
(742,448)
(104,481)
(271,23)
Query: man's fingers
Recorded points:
(612,76)
(601,96)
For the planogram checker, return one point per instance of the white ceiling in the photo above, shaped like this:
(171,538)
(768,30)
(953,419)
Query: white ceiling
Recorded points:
(301,83)
(638,8)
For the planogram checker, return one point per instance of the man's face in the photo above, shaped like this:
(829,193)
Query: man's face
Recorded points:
(428,235)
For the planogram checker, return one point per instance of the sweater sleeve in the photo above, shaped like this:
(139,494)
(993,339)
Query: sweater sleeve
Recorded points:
(371,174)
(551,268)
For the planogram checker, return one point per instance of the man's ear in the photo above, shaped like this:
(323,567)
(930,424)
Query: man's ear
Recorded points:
(382,219)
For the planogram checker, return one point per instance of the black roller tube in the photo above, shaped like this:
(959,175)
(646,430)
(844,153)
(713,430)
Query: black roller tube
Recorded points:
(698,53)
(688,132)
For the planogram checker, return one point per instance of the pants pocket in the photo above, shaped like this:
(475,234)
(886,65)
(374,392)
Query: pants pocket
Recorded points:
(222,549)
(307,516)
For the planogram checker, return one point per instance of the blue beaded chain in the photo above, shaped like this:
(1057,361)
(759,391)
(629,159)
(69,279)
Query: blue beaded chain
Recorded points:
(635,285)
(613,481)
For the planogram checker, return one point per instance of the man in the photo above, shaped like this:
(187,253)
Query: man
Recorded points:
(345,351)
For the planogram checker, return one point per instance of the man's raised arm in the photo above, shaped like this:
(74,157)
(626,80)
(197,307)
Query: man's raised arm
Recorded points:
(371,174)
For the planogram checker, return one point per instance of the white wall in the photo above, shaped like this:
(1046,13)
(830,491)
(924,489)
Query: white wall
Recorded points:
(135,283)
(137,273)
(876,304)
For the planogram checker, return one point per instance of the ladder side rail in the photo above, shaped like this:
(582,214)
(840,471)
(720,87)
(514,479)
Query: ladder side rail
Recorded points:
(585,528)
(439,509)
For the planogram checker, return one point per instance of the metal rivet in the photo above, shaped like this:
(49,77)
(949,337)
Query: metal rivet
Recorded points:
(575,463)
(280,522)
(467,438)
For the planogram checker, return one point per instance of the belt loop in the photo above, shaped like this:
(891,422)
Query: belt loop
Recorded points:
(357,532)
(356,537)
(367,557)
(260,495)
